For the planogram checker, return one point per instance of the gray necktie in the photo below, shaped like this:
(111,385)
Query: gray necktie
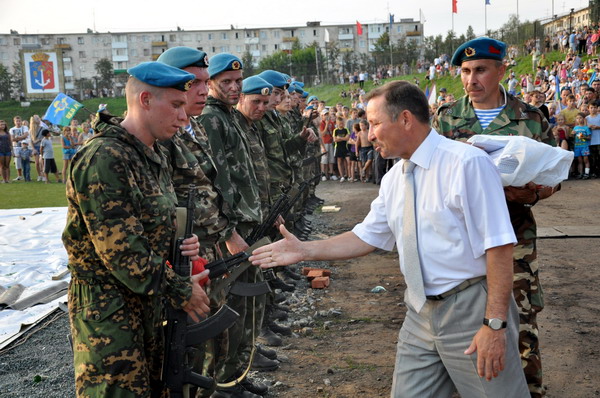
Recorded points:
(412,264)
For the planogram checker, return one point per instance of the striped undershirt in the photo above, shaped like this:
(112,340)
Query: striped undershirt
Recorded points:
(485,116)
(190,130)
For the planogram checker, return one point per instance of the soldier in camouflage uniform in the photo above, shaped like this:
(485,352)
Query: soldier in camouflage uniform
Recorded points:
(482,71)
(121,220)
(237,180)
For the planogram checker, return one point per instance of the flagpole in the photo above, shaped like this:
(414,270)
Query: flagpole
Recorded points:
(485,18)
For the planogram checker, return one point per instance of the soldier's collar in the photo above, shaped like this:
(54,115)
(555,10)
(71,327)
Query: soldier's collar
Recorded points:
(503,105)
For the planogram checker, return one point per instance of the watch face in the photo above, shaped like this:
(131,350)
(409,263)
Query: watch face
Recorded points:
(495,323)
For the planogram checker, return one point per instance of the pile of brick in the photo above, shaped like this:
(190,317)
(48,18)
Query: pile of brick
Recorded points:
(318,277)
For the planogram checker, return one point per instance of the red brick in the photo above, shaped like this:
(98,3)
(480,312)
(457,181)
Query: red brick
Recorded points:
(320,282)
(315,273)
(306,270)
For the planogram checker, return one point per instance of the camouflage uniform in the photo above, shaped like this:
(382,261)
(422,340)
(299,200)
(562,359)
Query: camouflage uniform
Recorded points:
(119,228)
(458,121)
(281,173)
(231,150)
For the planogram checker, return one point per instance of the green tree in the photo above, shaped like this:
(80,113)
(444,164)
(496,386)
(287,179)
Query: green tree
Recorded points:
(5,83)
(104,69)
(248,61)
(16,77)
(470,35)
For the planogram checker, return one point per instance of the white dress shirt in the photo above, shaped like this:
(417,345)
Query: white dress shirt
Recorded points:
(460,211)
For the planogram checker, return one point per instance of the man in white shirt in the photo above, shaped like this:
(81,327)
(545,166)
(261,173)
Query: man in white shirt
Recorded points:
(460,330)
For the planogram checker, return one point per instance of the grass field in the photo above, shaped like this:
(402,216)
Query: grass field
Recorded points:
(21,194)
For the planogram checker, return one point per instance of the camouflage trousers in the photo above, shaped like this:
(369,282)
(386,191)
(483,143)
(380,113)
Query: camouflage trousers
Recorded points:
(117,342)
(243,333)
(529,297)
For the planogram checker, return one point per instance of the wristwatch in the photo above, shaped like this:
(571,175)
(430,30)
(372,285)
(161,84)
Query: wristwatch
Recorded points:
(537,198)
(494,323)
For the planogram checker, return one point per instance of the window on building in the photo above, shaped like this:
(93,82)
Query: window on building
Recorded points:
(60,40)
(301,33)
(172,38)
(263,34)
(224,49)
(210,36)
(361,43)
(146,38)
(4,56)
(264,47)
(146,52)
(238,49)
(119,38)
(96,54)
(399,29)
(237,35)
(80,40)
(186,37)
(224,35)
(132,38)
(121,51)
(416,28)
(276,34)
(81,54)
(199,37)
(314,32)
(44,42)
(214,49)
(200,48)
(276,47)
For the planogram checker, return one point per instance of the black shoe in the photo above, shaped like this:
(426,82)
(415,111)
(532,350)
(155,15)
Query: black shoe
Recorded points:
(264,364)
(283,308)
(254,386)
(585,177)
(270,338)
(236,391)
(289,272)
(266,352)
(279,298)
(278,315)
(579,176)
(283,330)
(279,284)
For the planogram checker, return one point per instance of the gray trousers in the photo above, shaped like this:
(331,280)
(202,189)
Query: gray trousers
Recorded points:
(430,359)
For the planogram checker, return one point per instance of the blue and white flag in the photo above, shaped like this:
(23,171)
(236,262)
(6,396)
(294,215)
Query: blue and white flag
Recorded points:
(62,110)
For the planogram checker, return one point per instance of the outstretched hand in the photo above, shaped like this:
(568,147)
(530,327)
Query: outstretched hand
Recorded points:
(283,252)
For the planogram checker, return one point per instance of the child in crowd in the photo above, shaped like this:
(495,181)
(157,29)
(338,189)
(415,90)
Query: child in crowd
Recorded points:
(26,159)
(340,139)
(570,112)
(69,143)
(561,132)
(593,122)
(365,151)
(47,154)
(352,150)
(582,135)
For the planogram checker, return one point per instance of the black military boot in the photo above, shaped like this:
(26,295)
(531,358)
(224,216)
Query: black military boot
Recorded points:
(236,391)
(266,352)
(264,364)
(254,386)
(270,338)
(283,330)
(279,284)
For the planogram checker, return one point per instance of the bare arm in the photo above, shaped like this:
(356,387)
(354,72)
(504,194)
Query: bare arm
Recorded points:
(491,344)
(290,250)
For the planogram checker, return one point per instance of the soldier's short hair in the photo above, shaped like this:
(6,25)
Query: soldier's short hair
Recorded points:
(401,95)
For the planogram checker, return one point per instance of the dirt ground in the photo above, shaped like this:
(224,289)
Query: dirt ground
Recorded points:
(352,355)
(355,356)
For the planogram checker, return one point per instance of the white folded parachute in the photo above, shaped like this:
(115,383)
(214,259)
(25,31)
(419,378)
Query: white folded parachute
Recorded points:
(521,160)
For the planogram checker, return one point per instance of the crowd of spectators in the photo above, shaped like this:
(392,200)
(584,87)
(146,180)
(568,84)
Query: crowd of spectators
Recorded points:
(30,142)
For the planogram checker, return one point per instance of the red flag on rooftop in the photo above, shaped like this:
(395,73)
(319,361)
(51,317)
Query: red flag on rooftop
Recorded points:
(454,7)
(358,28)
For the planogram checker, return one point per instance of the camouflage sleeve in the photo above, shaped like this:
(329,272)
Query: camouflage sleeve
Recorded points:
(217,138)
(124,223)
(437,122)
(294,143)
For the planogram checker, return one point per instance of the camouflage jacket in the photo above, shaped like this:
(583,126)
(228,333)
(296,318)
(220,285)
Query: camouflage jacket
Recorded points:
(236,178)
(259,159)
(183,153)
(281,173)
(295,146)
(121,216)
(457,120)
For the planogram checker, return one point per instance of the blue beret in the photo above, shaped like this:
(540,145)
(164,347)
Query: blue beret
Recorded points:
(312,98)
(162,75)
(256,85)
(480,48)
(299,84)
(182,57)
(224,62)
(304,94)
(294,85)
(275,78)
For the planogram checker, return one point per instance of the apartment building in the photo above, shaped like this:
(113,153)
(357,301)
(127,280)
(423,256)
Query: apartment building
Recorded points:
(78,53)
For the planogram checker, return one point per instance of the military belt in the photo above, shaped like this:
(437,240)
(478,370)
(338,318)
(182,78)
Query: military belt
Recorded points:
(457,289)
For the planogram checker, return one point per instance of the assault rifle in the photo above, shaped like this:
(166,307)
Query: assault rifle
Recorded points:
(177,373)
(296,194)
(263,229)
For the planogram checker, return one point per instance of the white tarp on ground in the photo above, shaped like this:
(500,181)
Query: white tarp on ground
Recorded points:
(31,253)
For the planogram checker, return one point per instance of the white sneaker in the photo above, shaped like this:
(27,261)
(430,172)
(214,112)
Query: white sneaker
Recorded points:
(342,179)
(323,178)
(39,178)
(333,178)
(44,179)
(19,178)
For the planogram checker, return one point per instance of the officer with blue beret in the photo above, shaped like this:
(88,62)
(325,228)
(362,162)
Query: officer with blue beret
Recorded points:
(312,98)
(182,57)
(160,75)
(224,62)
(275,78)
(480,48)
(256,85)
